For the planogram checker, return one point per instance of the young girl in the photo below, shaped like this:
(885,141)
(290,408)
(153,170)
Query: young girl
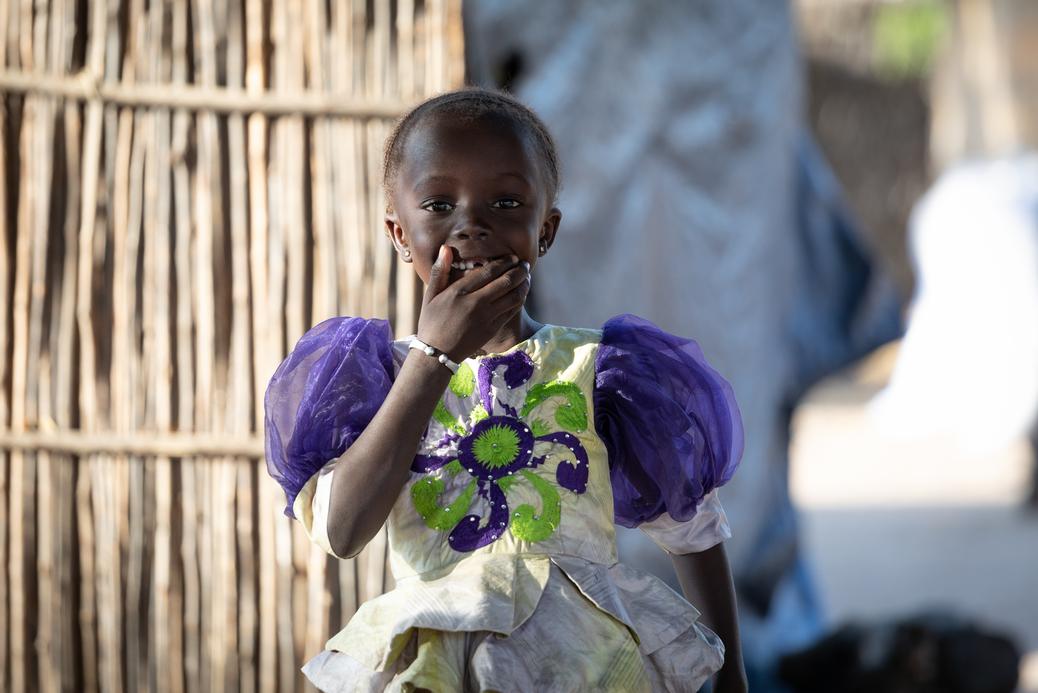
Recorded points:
(500,451)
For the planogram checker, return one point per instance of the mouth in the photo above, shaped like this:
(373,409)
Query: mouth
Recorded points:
(469,264)
(463,265)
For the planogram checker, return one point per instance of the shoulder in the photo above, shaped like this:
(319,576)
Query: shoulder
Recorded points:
(347,328)
(345,333)
(337,340)
(632,343)
(633,330)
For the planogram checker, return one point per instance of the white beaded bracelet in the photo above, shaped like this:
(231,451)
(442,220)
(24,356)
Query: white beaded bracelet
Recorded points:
(435,353)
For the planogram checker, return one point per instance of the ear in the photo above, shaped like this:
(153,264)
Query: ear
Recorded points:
(396,233)
(549,227)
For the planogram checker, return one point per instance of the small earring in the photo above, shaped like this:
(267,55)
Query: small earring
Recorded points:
(542,248)
(406,254)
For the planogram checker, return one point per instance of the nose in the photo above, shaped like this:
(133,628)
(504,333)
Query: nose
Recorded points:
(471,226)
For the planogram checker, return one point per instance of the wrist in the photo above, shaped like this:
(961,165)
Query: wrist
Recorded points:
(427,368)
(432,352)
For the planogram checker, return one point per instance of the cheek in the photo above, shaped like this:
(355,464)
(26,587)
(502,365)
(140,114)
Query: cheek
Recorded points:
(423,255)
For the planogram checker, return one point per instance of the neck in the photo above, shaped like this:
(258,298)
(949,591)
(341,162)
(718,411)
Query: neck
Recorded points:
(519,327)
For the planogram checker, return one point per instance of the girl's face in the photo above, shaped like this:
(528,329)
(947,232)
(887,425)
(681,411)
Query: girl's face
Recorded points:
(478,187)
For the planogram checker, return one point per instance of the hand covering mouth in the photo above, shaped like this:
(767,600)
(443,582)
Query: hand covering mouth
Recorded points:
(472,263)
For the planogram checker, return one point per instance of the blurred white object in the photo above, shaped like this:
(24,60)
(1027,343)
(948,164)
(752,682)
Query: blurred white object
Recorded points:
(968,365)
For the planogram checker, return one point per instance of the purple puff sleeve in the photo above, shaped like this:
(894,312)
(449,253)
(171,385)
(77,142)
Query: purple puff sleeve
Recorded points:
(669,421)
(323,395)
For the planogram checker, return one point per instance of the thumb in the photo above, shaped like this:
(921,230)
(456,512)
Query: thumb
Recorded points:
(440,274)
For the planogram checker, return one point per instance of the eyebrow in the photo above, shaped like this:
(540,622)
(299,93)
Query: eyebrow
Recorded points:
(517,176)
(432,180)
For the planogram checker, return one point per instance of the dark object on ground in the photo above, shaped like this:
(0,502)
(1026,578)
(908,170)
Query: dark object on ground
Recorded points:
(929,653)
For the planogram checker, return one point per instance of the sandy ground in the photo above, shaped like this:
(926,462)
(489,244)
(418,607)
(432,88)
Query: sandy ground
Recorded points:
(894,527)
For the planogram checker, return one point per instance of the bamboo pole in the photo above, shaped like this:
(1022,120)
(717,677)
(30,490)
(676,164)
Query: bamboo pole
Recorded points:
(350,262)
(376,78)
(85,86)
(182,207)
(209,230)
(165,660)
(42,673)
(407,289)
(6,252)
(240,424)
(123,515)
(87,353)
(86,246)
(324,253)
(247,606)
(263,349)
(324,291)
(146,442)
(286,285)
(62,347)
(20,465)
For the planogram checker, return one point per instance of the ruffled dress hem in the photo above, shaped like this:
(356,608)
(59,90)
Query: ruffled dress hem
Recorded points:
(530,629)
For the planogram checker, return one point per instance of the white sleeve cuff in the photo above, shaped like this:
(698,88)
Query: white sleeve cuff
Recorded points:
(311,507)
(706,529)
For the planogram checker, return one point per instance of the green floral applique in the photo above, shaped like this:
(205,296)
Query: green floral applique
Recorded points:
(527,524)
(463,382)
(539,428)
(571,414)
(496,446)
(426,496)
(477,415)
(447,420)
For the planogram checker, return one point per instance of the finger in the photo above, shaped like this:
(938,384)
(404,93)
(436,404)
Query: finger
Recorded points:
(476,279)
(439,276)
(512,300)
(506,282)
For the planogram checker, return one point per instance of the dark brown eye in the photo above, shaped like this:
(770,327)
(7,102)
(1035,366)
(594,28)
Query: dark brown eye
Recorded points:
(438,206)
(507,203)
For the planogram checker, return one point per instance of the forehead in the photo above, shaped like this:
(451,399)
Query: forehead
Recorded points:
(482,146)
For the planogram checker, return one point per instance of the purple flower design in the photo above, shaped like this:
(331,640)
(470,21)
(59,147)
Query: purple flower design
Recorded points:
(499,446)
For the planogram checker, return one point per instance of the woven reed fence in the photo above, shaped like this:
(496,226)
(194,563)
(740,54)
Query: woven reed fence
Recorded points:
(185,187)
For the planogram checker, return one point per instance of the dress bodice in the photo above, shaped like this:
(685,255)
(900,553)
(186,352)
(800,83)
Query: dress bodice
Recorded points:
(510,462)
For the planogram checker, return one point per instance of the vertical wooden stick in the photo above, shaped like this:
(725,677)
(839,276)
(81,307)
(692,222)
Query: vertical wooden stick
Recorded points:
(5,252)
(240,380)
(187,620)
(264,350)
(20,466)
(87,352)
(125,475)
(205,216)
(165,659)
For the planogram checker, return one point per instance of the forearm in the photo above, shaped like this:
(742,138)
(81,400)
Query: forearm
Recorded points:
(379,461)
(706,580)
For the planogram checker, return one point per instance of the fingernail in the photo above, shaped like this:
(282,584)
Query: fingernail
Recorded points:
(514,258)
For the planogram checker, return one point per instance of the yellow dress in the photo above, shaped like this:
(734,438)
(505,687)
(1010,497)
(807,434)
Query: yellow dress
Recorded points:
(502,544)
